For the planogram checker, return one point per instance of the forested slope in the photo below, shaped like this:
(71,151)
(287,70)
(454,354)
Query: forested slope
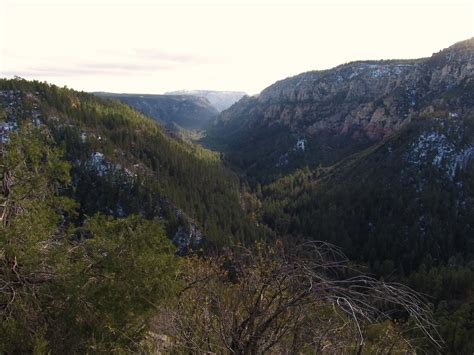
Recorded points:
(404,207)
(123,163)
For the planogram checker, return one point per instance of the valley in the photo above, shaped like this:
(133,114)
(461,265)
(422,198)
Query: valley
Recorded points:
(319,204)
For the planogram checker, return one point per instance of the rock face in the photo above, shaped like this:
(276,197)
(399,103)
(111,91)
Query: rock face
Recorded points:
(351,105)
(221,100)
(190,112)
(187,240)
(373,97)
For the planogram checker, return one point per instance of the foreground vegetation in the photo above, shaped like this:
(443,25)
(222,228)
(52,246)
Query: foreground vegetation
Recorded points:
(66,288)
(103,285)
(290,300)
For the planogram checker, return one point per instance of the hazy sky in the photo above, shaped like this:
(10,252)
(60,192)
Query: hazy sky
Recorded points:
(156,46)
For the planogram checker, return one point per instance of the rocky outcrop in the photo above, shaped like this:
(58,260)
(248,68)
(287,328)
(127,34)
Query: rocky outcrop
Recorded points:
(348,106)
(372,97)
(187,239)
(446,146)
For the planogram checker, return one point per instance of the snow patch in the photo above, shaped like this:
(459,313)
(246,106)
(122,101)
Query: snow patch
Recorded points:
(99,163)
(436,149)
(300,144)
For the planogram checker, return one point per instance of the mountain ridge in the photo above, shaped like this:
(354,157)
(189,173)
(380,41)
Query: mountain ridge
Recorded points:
(345,108)
(221,100)
(189,112)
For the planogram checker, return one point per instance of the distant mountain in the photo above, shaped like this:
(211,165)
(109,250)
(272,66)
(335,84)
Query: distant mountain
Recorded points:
(320,117)
(189,112)
(221,100)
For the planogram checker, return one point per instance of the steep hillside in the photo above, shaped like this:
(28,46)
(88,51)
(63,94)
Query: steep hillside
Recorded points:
(124,163)
(189,112)
(404,207)
(402,199)
(322,116)
(221,100)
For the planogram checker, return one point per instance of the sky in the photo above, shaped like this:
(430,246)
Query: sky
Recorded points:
(154,46)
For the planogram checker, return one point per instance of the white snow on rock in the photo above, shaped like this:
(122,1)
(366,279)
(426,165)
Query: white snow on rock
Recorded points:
(300,144)
(379,72)
(436,149)
(184,240)
(98,162)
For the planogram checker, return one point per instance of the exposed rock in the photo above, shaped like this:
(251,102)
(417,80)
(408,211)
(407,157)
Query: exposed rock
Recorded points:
(375,97)
(445,151)
(357,103)
(186,239)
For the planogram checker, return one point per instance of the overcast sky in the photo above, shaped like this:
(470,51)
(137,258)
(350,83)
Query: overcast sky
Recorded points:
(156,46)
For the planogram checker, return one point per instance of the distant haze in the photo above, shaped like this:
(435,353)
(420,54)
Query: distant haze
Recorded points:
(164,45)
(221,100)
(190,112)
